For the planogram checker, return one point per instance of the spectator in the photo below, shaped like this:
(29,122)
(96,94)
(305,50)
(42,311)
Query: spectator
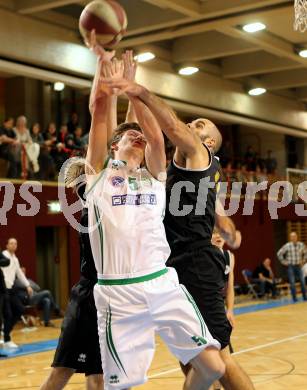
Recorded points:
(36,134)
(47,149)
(304,270)
(62,152)
(260,176)
(25,152)
(75,141)
(13,307)
(73,123)
(250,158)
(4,262)
(270,163)
(8,145)
(292,255)
(264,277)
(43,299)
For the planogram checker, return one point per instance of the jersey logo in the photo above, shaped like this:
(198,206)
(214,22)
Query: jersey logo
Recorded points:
(134,200)
(82,358)
(114,379)
(117,181)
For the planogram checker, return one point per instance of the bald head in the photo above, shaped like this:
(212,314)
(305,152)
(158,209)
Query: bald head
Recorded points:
(208,133)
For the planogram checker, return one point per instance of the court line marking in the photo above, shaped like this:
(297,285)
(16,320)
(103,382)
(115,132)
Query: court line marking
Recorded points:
(238,353)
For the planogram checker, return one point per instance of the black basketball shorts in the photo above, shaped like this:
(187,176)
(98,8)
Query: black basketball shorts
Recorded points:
(78,346)
(204,277)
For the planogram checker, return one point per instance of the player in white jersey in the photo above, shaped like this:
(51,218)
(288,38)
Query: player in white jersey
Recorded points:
(136,295)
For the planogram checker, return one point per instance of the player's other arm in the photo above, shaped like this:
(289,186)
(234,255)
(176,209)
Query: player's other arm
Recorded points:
(230,293)
(154,152)
(227,228)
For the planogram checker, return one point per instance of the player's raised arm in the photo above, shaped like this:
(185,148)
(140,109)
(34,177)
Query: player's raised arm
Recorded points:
(155,151)
(130,68)
(98,136)
(178,132)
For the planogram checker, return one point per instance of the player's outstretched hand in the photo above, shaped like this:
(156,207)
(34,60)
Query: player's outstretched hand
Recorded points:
(130,65)
(111,72)
(130,88)
(101,53)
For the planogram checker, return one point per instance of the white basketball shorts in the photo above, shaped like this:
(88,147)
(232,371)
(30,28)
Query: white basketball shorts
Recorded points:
(130,314)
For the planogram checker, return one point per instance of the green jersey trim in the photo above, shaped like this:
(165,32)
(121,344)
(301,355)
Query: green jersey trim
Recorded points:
(200,318)
(140,279)
(110,342)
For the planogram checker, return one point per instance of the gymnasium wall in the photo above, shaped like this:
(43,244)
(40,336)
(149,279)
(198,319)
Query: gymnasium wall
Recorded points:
(258,231)
(24,230)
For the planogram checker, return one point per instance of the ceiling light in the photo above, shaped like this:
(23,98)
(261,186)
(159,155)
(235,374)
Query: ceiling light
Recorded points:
(303,53)
(58,86)
(253,27)
(144,57)
(257,91)
(187,71)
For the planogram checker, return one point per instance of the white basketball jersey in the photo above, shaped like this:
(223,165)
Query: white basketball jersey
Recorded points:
(126,211)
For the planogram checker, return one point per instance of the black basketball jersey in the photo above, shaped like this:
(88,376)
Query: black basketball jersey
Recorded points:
(198,195)
(87,264)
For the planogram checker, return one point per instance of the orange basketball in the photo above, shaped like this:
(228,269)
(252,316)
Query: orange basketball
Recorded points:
(107,18)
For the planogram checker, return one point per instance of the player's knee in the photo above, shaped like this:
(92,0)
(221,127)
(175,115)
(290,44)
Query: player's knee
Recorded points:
(210,365)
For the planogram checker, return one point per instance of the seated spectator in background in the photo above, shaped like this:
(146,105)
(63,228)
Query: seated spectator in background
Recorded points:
(4,262)
(260,176)
(264,277)
(46,160)
(43,299)
(250,158)
(8,144)
(73,123)
(62,151)
(36,134)
(50,136)
(75,142)
(26,153)
(13,307)
(270,163)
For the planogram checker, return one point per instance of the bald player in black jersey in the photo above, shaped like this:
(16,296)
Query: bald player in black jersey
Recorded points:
(78,348)
(190,217)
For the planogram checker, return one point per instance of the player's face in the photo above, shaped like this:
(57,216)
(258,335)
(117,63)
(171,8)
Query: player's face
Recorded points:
(217,240)
(133,139)
(200,127)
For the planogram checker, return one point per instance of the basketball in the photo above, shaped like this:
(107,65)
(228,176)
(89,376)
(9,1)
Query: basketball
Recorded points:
(107,18)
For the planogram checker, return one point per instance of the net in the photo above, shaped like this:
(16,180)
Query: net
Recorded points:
(300,9)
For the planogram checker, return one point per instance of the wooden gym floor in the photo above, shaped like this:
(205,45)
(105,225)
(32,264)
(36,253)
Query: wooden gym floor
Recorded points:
(271,345)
